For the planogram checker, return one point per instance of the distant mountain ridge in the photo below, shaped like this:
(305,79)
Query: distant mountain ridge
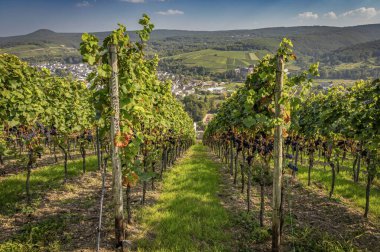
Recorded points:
(73,39)
(334,47)
(338,36)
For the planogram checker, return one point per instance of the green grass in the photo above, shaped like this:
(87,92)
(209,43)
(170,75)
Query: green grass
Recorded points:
(30,51)
(188,215)
(46,235)
(312,239)
(344,186)
(262,53)
(252,56)
(219,61)
(12,189)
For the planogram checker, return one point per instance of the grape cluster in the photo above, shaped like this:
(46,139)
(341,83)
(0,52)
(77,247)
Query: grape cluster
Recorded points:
(292,167)
(289,156)
(288,141)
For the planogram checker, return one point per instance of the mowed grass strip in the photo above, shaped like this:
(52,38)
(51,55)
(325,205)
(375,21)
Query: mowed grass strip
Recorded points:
(13,189)
(188,215)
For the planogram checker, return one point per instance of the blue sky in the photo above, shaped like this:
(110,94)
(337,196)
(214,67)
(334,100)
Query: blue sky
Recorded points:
(25,16)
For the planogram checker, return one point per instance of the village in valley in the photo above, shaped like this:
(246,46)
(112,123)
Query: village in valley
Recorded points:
(181,85)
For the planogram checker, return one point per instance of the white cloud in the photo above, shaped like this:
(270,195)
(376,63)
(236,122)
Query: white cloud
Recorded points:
(361,12)
(330,15)
(83,4)
(133,1)
(308,15)
(170,12)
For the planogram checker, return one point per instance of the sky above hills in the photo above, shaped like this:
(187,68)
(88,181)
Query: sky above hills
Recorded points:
(25,16)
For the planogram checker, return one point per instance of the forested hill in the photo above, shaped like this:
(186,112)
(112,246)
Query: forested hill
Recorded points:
(73,39)
(333,46)
(355,53)
(306,38)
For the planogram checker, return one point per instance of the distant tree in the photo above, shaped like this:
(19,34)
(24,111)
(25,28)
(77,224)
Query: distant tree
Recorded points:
(195,107)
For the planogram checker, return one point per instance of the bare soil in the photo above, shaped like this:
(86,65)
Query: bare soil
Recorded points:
(79,199)
(308,208)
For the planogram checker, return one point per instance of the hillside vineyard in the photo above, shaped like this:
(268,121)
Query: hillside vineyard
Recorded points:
(232,141)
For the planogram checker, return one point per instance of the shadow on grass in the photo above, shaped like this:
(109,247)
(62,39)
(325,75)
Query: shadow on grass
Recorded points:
(344,187)
(61,230)
(323,224)
(12,189)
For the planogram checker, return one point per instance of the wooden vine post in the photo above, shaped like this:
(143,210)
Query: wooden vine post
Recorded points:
(277,173)
(116,164)
(98,149)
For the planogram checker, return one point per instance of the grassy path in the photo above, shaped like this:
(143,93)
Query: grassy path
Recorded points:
(188,215)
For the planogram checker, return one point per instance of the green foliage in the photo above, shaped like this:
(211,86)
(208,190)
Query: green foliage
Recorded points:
(195,107)
(151,118)
(343,113)
(30,95)
(251,109)
(33,102)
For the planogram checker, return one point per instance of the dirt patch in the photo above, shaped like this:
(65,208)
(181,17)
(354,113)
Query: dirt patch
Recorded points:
(313,208)
(243,223)
(77,202)
(305,208)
